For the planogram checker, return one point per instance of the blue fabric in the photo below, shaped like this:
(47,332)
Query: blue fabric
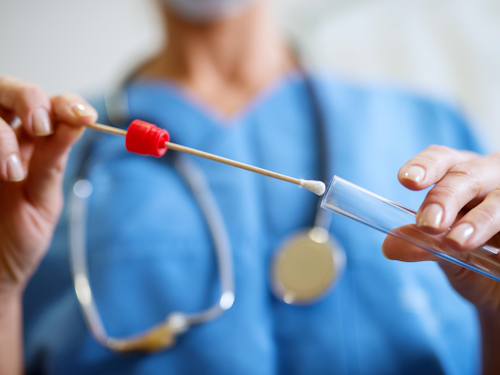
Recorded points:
(150,252)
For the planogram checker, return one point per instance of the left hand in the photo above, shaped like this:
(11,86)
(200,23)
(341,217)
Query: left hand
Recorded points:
(466,197)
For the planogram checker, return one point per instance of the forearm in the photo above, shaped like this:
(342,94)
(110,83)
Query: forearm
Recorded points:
(11,353)
(490,332)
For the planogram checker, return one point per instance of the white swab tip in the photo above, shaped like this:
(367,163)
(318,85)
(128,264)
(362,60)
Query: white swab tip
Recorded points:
(317,187)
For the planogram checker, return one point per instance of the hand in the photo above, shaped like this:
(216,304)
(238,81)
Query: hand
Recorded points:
(32,161)
(466,197)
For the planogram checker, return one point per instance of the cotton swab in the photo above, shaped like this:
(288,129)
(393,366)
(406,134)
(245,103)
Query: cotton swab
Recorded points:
(147,139)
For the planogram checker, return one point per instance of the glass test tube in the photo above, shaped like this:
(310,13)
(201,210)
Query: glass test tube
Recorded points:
(356,203)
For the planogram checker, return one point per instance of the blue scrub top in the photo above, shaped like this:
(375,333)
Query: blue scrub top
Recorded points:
(150,251)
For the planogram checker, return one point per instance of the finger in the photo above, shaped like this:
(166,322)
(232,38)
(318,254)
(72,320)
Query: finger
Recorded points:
(463,183)
(395,248)
(7,116)
(73,109)
(430,166)
(29,102)
(46,169)
(26,144)
(11,168)
(478,226)
(67,108)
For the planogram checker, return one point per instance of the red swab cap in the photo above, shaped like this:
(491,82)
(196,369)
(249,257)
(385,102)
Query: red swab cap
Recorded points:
(146,139)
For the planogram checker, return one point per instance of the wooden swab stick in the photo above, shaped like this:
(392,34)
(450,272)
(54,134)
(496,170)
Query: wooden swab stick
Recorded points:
(234,163)
(316,187)
(107,129)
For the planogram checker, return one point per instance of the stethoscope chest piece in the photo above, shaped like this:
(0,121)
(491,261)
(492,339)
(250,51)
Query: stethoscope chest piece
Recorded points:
(306,266)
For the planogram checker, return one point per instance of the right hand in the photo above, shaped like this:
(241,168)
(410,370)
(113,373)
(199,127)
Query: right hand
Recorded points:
(32,161)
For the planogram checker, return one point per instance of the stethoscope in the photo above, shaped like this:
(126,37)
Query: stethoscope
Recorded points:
(304,268)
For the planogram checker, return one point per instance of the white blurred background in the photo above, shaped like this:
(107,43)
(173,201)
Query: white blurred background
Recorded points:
(447,49)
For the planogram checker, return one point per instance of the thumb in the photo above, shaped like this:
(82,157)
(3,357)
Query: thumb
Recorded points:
(458,276)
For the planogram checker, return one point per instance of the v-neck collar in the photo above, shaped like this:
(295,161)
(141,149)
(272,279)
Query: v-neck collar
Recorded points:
(188,120)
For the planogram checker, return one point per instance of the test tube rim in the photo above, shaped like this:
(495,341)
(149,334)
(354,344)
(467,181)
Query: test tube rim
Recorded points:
(339,211)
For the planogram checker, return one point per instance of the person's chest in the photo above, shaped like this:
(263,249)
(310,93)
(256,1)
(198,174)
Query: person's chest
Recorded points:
(150,251)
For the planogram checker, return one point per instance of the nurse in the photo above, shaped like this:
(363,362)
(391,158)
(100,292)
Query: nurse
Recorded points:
(227,83)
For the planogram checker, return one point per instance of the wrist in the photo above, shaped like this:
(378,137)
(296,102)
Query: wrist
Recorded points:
(9,296)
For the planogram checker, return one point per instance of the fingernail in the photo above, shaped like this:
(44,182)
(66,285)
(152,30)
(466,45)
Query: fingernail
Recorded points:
(81,111)
(431,216)
(415,173)
(41,122)
(15,170)
(461,233)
